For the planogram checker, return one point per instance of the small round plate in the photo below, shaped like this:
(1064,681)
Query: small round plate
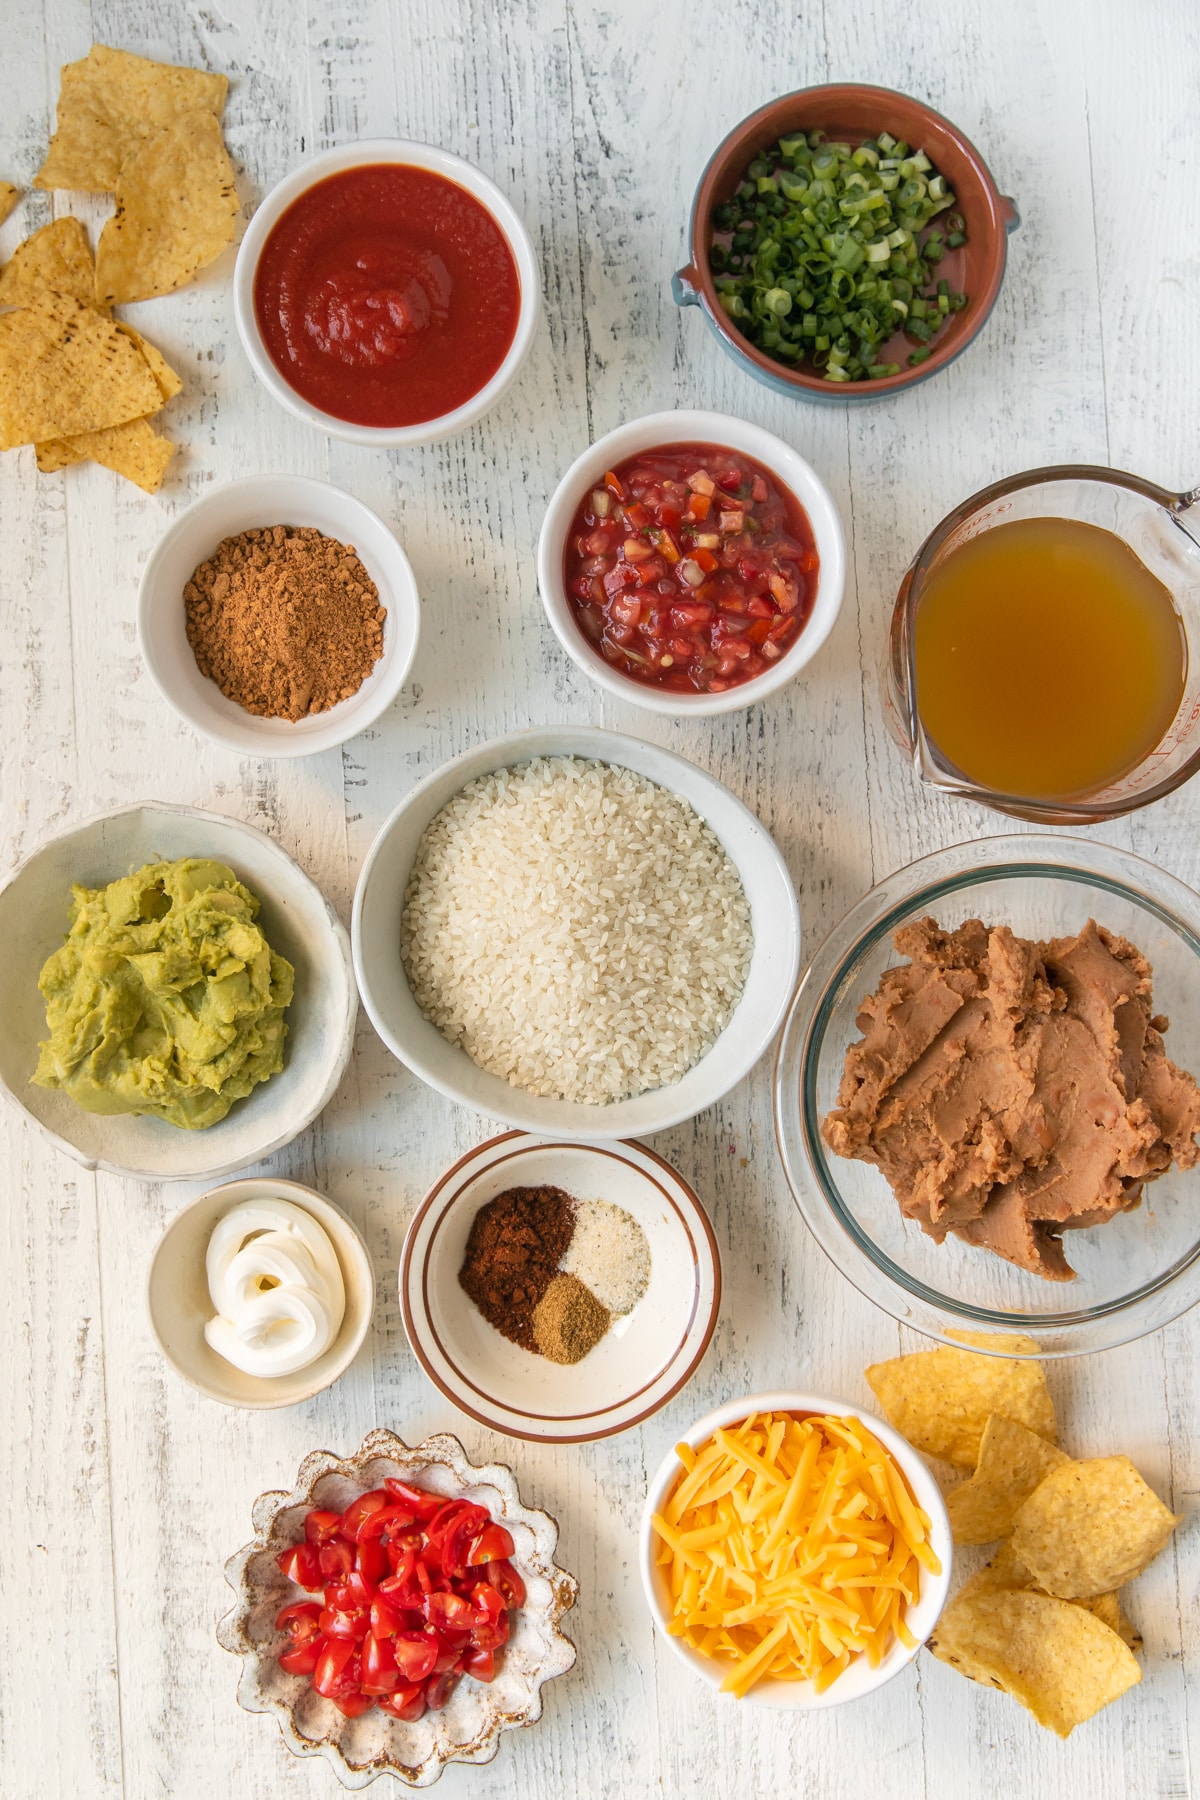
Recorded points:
(644,1359)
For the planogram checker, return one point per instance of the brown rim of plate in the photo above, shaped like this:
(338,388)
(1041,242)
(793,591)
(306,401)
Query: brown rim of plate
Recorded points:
(482,1418)
(858,108)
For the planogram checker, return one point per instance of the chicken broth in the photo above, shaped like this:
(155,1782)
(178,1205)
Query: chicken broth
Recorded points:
(1050,662)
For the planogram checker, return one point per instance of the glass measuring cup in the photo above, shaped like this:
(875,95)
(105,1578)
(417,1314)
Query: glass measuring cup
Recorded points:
(1161,530)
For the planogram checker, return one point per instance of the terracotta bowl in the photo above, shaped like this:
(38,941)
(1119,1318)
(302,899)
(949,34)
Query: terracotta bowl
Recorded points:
(854,111)
(468,1728)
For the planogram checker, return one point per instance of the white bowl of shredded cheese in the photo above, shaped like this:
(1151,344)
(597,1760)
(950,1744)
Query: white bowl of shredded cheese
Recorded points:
(768,1581)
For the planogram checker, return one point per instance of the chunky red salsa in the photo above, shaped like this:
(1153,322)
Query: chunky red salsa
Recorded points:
(387,295)
(691,568)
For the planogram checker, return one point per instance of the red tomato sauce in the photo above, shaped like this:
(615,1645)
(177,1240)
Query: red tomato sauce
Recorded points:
(691,568)
(387,295)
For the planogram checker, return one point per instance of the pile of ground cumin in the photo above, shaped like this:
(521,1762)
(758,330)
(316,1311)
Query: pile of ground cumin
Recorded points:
(285,620)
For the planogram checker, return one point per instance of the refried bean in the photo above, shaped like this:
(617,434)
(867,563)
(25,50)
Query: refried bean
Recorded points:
(285,620)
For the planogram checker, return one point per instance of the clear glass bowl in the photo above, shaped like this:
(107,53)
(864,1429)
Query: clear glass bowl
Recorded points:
(1161,530)
(1134,1274)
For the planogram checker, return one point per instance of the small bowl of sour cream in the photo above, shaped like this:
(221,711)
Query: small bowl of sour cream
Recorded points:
(260,1293)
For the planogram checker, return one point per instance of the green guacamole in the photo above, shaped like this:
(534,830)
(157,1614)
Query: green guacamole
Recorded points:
(165,998)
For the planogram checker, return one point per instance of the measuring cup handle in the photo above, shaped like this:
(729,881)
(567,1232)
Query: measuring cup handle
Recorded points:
(1186,508)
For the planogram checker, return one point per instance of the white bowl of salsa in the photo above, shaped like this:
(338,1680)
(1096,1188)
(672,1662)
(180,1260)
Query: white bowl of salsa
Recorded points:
(386,292)
(691,563)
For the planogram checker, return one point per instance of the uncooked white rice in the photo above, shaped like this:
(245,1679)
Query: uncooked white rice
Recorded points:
(576,929)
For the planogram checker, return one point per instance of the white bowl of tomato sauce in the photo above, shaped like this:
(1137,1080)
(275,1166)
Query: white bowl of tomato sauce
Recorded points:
(691,563)
(386,292)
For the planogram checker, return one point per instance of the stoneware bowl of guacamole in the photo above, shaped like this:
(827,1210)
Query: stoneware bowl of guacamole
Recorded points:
(197,1001)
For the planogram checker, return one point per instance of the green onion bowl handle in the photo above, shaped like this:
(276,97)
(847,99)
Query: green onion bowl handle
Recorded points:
(684,286)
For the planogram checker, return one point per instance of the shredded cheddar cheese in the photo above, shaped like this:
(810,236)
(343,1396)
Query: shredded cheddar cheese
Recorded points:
(791,1546)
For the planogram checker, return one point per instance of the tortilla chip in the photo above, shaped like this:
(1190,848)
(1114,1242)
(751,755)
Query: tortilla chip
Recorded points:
(9,195)
(169,383)
(176,206)
(1007,1573)
(942,1399)
(1107,1607)
(109,103)
(65,368)
(133,450)
(1001,1343)
(55,260)
(1012,1462)
(1089,1527)
(1059,1660)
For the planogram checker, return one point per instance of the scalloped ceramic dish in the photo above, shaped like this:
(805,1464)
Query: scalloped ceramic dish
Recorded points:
(469,1727)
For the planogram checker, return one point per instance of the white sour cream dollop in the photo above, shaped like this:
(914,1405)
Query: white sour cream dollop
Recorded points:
(276,1283)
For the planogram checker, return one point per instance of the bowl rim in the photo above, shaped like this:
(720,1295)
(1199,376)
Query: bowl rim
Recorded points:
(1002,218)
(510,750)
(252,737)
(613,1147)
(341,942)
(797,1696)
(724,429)
(906,1298)
(417,154)
(348,1243)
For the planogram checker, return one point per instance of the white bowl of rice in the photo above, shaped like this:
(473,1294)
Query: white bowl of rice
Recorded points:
(576,932)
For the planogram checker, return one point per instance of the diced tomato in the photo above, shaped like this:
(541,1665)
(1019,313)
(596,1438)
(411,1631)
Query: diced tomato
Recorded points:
(403,1587)
(415,1653)
(302,1658)
(353,1704)
(479,1663)
(508,1584)
(406,1703)
(637,516)
(336,1558)
(424,1504)
(613,485)
(370,1560)
(330,1676)
(360,1510)
(493,1541)
(319,1527)
(380,1674)
(385,1618)
(345,1626)
(299,1621)
(440,1689)
(350,1594)
(384,1521)
(493,1635)
(301,1564)
(406,1606)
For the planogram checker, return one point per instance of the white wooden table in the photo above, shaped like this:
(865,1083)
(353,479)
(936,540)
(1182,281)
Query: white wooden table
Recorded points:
(123,1491)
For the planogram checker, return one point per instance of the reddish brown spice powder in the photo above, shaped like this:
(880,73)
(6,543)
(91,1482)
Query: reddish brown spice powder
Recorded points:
(285,620)
(513,1251)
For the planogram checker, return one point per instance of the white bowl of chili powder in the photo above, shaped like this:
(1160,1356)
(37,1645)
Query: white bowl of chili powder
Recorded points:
(691,563)
(354,651)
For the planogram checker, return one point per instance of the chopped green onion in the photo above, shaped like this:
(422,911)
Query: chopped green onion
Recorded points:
(827,251)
